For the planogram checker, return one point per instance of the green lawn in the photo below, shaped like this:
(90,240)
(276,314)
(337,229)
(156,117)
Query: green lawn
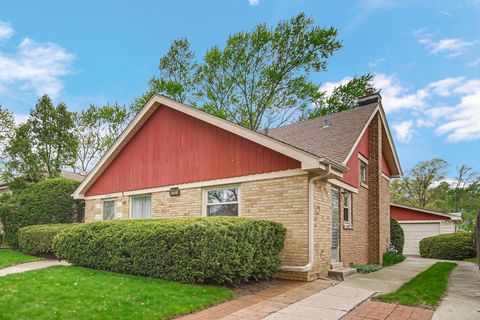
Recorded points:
(474,260)
(81,293)
(9,258)
(426,288)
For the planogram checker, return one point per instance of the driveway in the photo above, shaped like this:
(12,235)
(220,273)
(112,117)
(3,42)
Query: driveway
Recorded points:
(462,301)
(335,302)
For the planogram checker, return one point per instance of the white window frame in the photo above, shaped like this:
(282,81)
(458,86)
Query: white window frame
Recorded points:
(114,207)
(363,164)
(347,224)
(140,196)
(205,198)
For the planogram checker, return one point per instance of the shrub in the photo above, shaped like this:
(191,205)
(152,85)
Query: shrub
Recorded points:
(220,250)
(453,246)
(37,240)
(391,258)
(48,201)
(366,268)
(396,235)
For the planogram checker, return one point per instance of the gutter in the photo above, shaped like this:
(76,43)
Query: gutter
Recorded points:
(311,212)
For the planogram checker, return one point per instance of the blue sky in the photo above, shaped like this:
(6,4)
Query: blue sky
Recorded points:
(425,56)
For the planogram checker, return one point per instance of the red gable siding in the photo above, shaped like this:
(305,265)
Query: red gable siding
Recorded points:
(385,168)
(403,214)
(173,148)
(352,177)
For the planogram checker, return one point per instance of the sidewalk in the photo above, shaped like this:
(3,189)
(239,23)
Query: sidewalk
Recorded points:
(462,300)
(335,302)
(29,266)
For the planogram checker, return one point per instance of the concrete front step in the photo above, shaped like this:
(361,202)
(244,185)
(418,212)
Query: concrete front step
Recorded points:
(336,265)
(341,273)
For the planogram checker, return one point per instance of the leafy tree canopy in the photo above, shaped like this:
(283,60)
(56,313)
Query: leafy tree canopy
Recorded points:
(426,186)
(260,78)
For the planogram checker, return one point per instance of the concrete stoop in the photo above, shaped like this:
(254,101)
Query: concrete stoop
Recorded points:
(340,273)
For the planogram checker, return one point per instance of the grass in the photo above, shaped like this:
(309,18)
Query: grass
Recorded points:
(390,258)
(81,293)
(9,258)
(474,260)
(366,268)
(425,289)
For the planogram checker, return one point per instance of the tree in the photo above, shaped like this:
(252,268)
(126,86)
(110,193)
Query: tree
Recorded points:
(259,79)
(7,126)
(52,133)
(96,128)
(43,145)
(23,163)
(343,97)
(416,187)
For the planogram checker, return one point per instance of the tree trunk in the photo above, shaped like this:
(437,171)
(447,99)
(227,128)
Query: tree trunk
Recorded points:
(477,238)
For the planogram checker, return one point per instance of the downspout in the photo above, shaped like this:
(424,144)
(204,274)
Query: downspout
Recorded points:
(311,213)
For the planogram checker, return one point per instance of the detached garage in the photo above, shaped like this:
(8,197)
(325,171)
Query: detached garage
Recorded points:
(419,223)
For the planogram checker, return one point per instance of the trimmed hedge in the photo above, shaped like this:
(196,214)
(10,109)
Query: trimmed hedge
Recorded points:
(37,240)
(397,237)
(48,201)
(453,246)
(221,250)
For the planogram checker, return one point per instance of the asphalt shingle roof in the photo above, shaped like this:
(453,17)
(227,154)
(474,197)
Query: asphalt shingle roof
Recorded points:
(334,141)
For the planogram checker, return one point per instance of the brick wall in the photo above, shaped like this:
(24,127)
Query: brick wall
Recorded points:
(354,240)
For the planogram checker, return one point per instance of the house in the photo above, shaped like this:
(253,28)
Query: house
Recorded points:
(326,180)
(418,224)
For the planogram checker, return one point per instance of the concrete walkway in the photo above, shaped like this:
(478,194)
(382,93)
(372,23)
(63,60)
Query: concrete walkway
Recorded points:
(29,266)
(335,302)
(462,301)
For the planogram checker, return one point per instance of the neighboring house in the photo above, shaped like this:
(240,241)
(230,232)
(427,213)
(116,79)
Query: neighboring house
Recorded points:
(326,180)
(420,223)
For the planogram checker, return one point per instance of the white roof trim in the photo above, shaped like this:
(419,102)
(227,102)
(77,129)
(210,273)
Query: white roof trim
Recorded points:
(379,109)
(308,160)
(456,216)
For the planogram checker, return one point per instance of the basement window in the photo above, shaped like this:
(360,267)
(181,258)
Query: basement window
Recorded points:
(109,209)
(222,202)
(347,209)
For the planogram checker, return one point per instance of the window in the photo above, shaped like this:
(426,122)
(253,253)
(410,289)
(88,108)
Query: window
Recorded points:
(142,207)
(363,172)
(109,209)
(222,202)
(347,209)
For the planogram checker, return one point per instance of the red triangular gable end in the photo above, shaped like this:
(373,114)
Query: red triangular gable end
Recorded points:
(174,148)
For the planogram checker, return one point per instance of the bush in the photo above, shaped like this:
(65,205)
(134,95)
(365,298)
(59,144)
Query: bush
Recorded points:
(453,246)
(48,201)
(37,240)
(220,250)
(396,235)
(391,258)
(366,268)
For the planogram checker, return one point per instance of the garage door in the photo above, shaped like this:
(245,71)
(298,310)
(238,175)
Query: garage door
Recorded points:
(414,232)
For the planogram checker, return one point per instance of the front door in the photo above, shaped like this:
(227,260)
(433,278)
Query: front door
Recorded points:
(335,223)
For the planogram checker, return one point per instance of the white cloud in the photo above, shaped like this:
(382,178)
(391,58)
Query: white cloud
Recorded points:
(452,47)
(474,63)
(328,87)
(6,31)
(444,87)
(403,130)
(451,105)
(462,123)
(395,97)
(36,67)
(254,2)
